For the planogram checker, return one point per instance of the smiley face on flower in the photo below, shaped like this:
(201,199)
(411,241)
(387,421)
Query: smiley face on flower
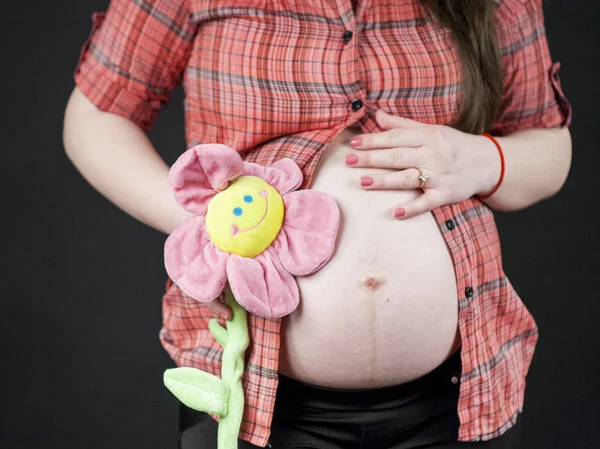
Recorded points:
(251,228)
(245,218)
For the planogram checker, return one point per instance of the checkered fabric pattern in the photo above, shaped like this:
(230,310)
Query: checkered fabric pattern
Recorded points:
(281,79)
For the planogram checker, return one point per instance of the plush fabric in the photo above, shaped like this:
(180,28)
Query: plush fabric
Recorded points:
(252,229)
(204,392)
(284,175)
(303,245)
(213,182)
(245,218)
(193,263)
(263,285)
(201,171)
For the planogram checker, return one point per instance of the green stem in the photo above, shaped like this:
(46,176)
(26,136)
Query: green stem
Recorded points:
(225,396)
(232,368)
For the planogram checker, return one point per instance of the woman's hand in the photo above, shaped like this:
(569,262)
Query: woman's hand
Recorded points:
(456,163)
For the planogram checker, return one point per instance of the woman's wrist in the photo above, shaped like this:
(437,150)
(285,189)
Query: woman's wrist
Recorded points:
(489,166)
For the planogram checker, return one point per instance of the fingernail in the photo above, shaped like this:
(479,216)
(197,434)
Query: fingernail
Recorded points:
(223,316)
(366,181)
(356,141)
(398,213)
(351,159)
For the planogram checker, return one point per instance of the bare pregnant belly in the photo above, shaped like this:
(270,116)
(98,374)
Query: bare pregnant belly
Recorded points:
(384,310)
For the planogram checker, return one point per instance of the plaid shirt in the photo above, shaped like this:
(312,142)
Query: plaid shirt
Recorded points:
(281,79)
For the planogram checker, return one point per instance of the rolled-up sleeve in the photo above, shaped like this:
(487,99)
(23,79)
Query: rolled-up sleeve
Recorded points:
(533,96)
(135,55)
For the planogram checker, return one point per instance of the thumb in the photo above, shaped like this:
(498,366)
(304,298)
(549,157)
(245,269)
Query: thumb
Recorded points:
(219,308)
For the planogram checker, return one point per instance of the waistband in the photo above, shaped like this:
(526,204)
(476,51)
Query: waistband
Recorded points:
(448,372)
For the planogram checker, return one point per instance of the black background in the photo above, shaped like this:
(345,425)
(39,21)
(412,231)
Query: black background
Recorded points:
(81,282)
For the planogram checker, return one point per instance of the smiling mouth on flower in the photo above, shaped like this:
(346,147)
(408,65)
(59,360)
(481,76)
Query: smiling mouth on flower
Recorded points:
(235,230)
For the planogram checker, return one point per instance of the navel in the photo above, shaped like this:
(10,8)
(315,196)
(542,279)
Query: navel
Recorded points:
(373,283)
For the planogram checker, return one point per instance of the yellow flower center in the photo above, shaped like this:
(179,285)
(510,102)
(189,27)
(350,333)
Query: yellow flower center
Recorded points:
(245,218)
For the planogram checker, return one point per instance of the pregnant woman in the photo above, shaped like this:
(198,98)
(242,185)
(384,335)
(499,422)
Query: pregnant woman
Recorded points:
(412,335)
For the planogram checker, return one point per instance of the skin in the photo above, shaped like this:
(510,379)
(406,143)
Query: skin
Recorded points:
(116,157)
(461,165)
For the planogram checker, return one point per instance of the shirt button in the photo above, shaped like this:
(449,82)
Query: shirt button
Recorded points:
(348,36)
(356,105)
(454,380)
(450,224)
(469,292)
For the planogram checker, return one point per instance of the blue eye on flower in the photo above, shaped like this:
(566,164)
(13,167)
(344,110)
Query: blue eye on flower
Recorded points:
(248,199)
(237,211)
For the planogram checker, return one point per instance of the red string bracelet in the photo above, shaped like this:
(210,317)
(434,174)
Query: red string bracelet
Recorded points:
(501,169)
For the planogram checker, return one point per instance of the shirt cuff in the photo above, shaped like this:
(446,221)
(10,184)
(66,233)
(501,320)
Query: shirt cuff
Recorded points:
(107,89)
(556,113)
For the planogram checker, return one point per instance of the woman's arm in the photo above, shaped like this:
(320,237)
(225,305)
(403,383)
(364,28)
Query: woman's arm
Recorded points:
(537,162)
(117,158)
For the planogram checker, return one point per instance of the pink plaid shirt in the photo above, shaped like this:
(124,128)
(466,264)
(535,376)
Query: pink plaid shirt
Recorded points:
(281,79)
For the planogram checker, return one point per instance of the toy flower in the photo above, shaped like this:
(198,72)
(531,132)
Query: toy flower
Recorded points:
(250,228)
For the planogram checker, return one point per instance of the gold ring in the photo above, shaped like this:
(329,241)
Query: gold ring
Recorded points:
(423,177)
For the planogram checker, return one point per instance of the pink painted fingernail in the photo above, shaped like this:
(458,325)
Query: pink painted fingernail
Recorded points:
(351,159)
(398,213)
(223,316)
(366,181)
(356,142)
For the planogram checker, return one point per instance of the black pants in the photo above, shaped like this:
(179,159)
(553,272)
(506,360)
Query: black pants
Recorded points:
(416,414)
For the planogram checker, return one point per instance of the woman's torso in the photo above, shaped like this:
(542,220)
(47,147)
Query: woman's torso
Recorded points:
(384,309)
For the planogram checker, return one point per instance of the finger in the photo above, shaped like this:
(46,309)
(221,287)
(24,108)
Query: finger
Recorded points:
(397,158)
(219,308)
(388,121)
(425,203)
(399,180)
(397,137)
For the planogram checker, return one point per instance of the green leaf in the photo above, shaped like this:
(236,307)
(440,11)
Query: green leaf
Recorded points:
(197,389)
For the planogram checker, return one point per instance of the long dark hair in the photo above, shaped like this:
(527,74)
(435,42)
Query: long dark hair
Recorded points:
(474,33)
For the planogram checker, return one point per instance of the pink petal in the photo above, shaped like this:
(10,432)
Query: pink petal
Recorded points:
(202,171)
(262,286)
(307,239)
(284,175)
(193,262)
